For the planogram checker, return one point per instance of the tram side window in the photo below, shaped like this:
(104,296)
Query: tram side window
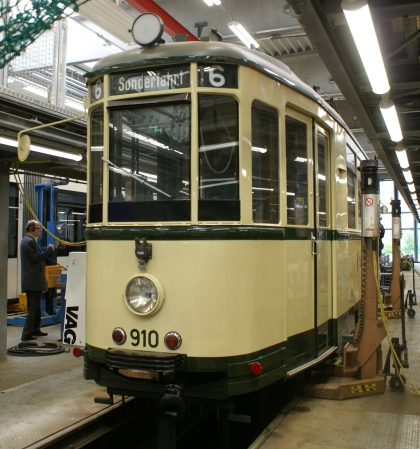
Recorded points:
(322,152)
(351,188)
(13,221)
(297,172)
(96,153)
(265,164)
(149,179)
(218,158)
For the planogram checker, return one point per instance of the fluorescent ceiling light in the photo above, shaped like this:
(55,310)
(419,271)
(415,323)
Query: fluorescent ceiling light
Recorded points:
(212,2)
(217,146)
(243,34)
(408,177)
(402,159)
(218,184)
(259,149)
(37,149)
(411,188)
(414,196)
(389,113)
(74,157)
(364,35)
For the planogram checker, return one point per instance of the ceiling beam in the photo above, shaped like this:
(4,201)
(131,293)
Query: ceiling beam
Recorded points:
(400,8)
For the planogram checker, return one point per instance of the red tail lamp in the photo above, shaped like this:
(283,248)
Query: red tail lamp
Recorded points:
(256,368)
(119,335)
(173,340)
(77,352)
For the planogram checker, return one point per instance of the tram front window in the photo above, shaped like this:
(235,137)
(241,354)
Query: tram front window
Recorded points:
(218,158)
(149,174)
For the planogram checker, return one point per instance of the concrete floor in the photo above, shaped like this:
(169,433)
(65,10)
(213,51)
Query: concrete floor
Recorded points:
(15,371)
(387,421)
(40,396)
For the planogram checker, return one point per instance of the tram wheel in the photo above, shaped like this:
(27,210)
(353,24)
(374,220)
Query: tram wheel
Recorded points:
(411,313)
(395,384)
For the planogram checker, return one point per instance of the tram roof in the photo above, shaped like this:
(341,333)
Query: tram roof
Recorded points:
(212,52)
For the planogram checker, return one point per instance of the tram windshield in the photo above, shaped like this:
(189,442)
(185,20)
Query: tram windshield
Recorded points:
(149,151)
(218,158)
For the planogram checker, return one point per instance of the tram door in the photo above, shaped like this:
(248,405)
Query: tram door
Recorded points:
(321,241)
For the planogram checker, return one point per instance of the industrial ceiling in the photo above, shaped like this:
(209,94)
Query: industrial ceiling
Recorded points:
(311,36)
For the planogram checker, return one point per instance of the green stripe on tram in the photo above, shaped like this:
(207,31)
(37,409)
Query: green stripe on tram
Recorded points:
(220,232)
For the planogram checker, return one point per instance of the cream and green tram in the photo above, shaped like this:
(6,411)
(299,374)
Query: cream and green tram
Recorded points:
(223,237)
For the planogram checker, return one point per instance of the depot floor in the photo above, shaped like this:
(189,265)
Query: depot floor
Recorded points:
(16,371)
(42,396)
(386,421)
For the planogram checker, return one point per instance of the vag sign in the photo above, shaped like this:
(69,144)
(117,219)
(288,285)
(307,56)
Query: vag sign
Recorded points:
(73,327)
(70,326)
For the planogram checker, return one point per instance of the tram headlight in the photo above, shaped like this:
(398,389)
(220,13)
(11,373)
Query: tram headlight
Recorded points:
(144,294)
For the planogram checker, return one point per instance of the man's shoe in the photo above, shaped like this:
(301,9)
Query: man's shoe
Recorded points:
(41,334)
(29,337)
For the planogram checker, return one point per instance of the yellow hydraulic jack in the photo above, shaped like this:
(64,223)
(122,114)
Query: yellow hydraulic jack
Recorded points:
(357,376)
(392,298)
(21,306)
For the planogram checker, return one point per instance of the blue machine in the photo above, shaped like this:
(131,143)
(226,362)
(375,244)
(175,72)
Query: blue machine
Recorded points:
(46,213)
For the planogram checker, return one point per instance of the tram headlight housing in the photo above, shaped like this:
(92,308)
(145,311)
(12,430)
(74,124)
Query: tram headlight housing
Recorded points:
(144,294)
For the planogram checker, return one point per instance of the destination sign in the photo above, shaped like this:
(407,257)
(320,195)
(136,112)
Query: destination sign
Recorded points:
(150,80)
(217,75)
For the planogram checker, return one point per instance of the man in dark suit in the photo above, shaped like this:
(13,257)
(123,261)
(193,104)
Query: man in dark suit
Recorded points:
(34,281)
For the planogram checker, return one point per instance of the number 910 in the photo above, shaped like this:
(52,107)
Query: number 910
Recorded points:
(145,339)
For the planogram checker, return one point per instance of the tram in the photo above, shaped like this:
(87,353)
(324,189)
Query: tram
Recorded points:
(224,230)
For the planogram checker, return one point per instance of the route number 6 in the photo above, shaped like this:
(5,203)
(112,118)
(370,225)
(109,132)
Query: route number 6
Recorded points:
(216,79)
(98,89)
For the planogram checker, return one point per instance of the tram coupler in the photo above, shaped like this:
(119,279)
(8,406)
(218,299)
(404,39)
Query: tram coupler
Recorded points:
(170,410)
